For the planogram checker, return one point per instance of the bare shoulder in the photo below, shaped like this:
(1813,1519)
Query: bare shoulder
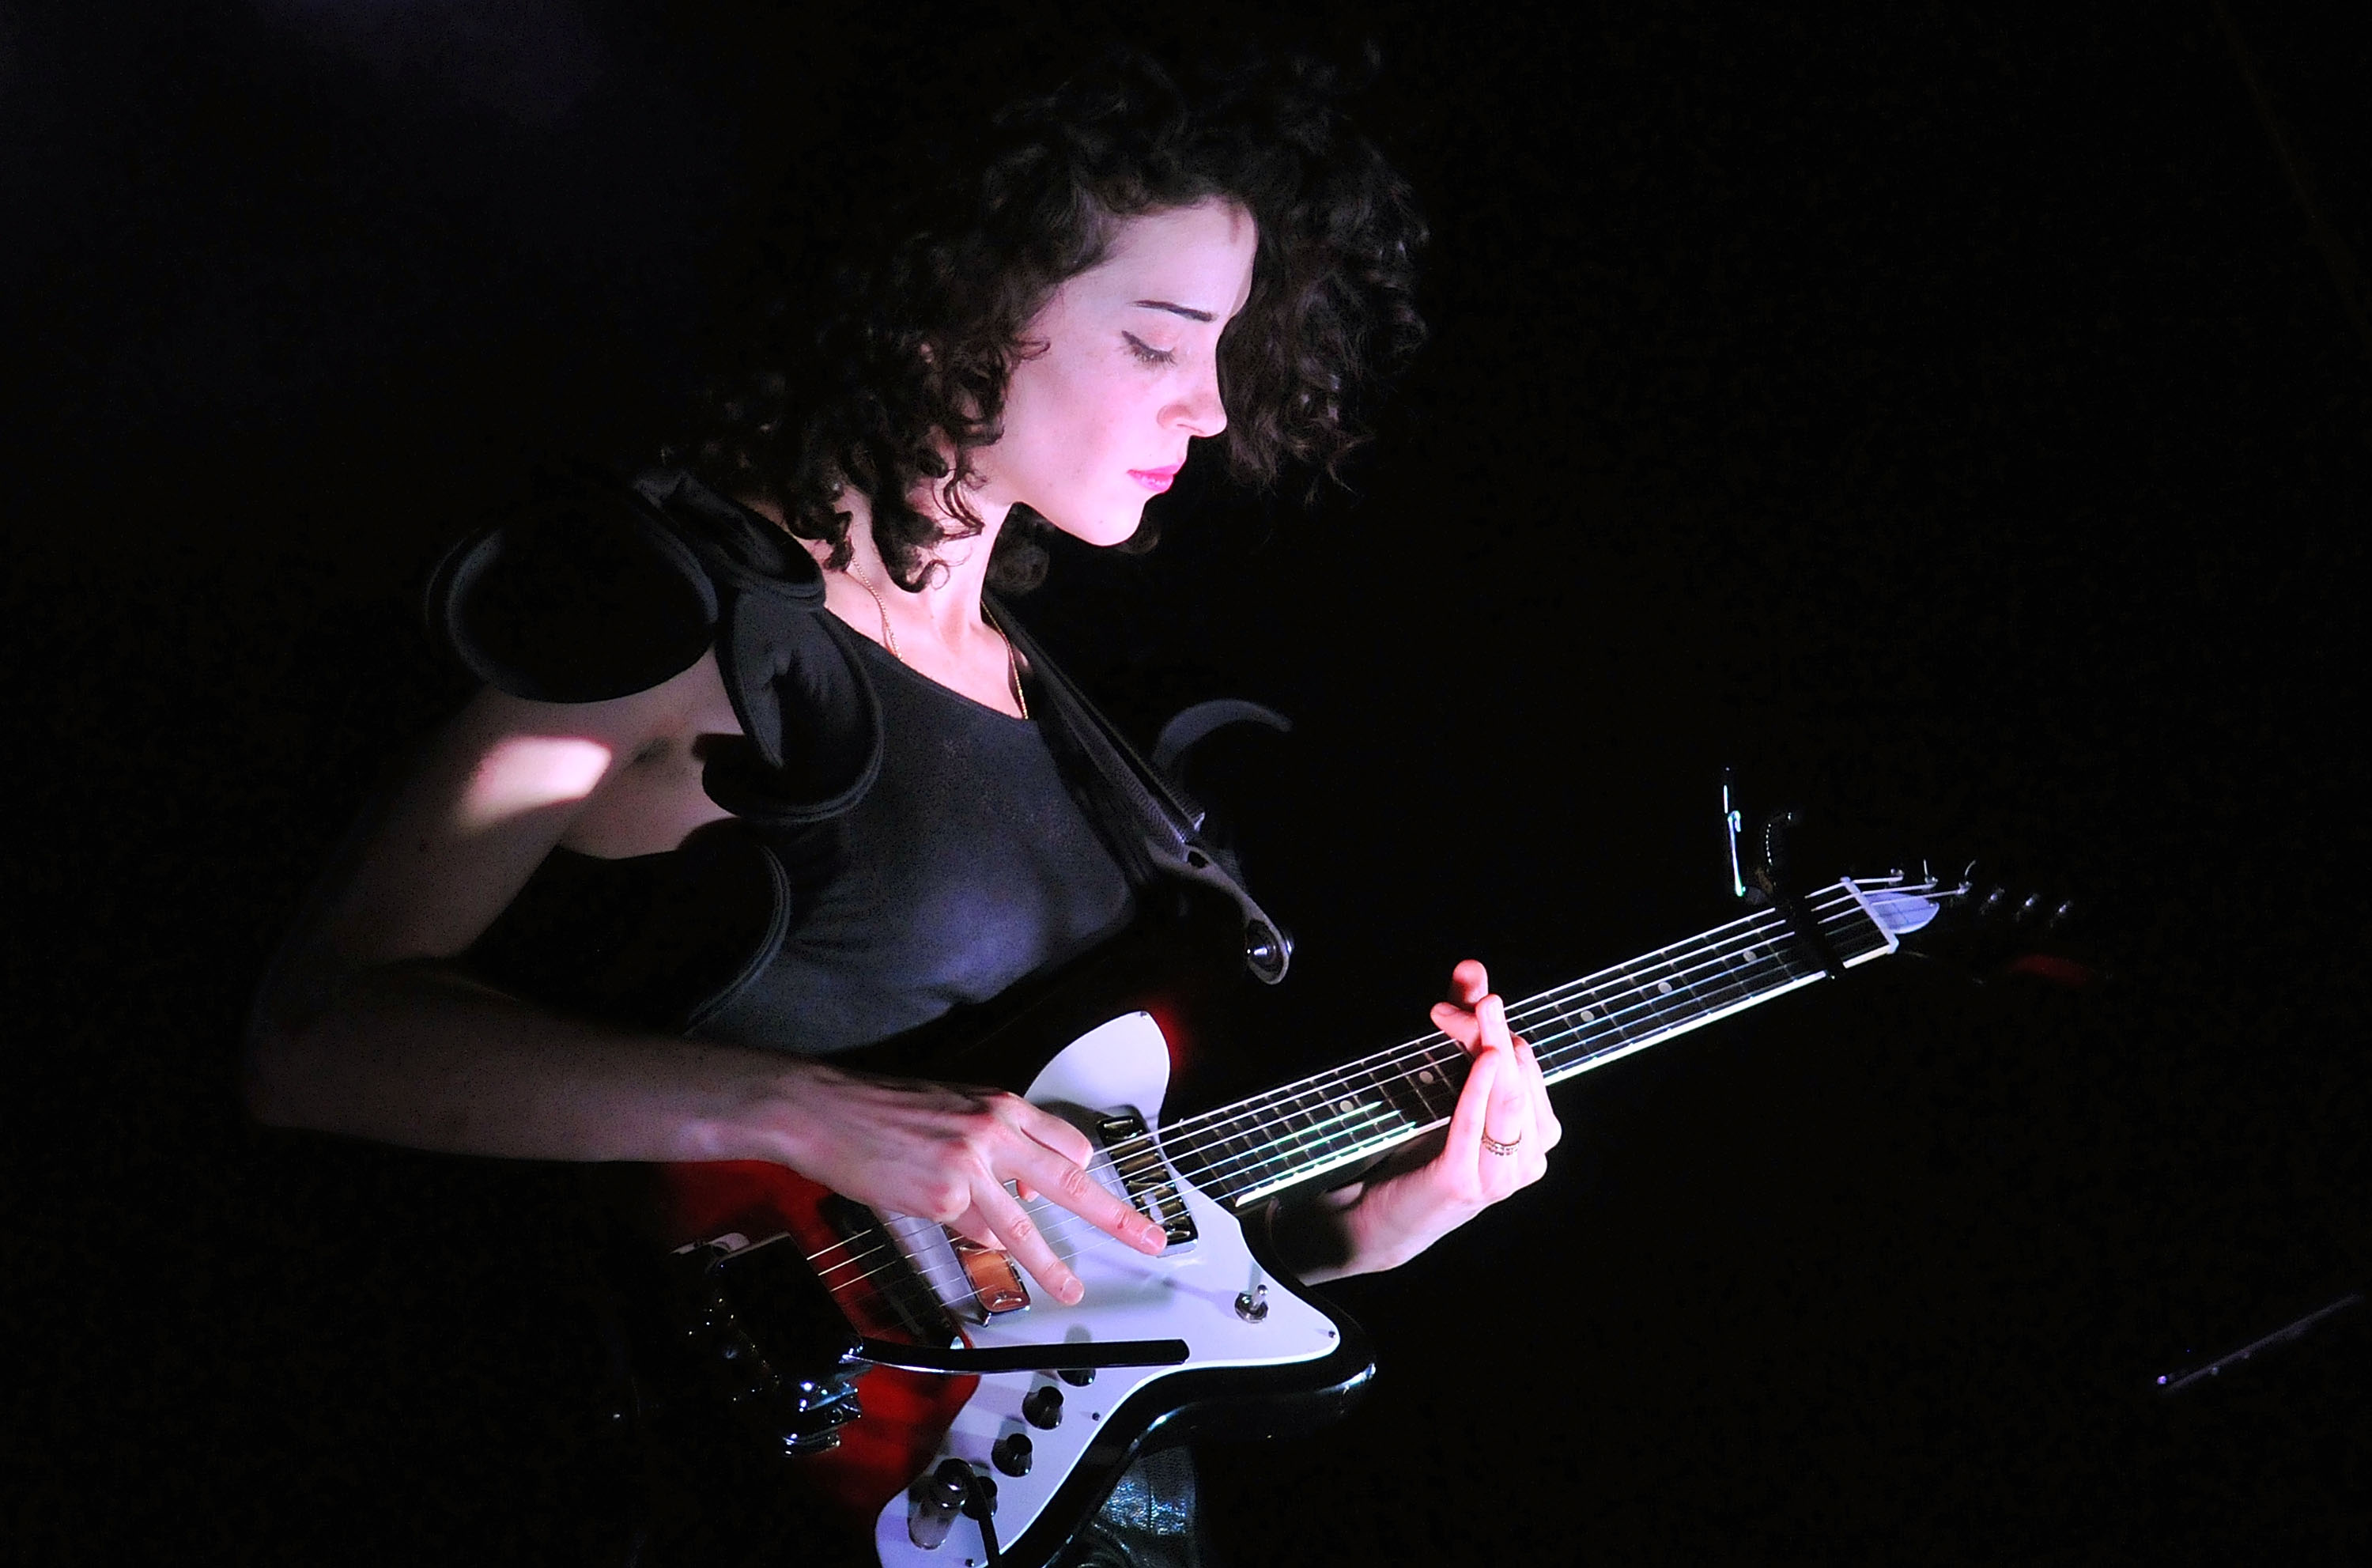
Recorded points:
(504,781)
(652,798)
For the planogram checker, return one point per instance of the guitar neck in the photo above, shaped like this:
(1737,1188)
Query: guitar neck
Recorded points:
(1301,1132)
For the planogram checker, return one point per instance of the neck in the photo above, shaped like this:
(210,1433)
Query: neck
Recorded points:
(948,601)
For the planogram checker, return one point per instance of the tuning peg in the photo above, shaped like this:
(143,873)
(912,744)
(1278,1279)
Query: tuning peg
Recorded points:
(1995,905)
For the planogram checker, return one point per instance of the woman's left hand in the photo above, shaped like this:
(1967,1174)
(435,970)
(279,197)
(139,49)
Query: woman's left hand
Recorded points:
(1497,1141)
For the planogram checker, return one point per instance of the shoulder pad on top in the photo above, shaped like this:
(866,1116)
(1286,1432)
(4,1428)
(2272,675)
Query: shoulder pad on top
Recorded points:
(585,595)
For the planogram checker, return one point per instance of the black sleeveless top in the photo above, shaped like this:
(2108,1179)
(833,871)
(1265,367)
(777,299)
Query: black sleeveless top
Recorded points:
(966,868)
(897,849)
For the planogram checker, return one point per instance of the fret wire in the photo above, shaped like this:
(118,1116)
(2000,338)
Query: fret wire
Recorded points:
(1758,928)
(1697,965)
(1838,912)
(1772,924)
(1330,1138)
(1625,1028)
(1771,978)
(1623,1007)
(1316,1144)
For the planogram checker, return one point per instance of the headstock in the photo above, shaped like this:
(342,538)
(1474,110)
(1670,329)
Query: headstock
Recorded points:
(1992,926)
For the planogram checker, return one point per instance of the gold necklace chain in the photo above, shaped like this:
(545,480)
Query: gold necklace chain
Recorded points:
(888,633)
(889,637)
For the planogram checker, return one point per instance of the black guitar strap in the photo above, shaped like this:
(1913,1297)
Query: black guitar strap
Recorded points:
(1158,829)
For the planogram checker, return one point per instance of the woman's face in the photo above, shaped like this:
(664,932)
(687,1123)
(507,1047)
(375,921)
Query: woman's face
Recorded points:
(1096,423)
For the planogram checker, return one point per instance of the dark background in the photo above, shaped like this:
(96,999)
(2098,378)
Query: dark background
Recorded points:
(1955,423)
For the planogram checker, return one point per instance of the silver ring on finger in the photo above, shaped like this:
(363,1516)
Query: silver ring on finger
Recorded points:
(1496,1147)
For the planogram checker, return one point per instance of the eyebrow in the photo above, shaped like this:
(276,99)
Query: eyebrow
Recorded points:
(1186,310)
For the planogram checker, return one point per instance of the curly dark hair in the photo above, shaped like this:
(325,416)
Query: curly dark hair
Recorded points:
(911,358)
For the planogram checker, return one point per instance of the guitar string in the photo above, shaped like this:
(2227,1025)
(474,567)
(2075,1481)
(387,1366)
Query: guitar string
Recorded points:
(1435,1046)
(1531,1009)
(1616,1016)
(1720,946)
(1062,1227)
(1439,1050)
(1526,1010)
(1069,1229)
(1335,1121)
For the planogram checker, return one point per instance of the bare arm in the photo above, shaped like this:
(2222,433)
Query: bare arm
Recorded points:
(367,1026)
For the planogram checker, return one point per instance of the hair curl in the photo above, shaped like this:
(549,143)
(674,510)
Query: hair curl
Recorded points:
(903,381)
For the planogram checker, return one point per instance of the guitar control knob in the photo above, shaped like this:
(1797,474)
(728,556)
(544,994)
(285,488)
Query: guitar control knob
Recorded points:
(932,1503)
(1011,1454)
(1077,1377)
(1043,1407)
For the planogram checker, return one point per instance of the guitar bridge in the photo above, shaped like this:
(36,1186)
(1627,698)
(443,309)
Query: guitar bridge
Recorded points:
(775,1342)
(1145,1177)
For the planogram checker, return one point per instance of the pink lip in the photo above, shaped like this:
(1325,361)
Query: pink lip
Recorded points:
(1155,480)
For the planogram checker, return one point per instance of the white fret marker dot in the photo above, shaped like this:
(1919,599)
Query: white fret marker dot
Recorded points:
(1347,1107)
(1424,1077)
(1664,987)
(1587,1017)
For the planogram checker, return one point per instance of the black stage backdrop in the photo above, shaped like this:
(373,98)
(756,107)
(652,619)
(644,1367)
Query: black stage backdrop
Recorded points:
(1958,423)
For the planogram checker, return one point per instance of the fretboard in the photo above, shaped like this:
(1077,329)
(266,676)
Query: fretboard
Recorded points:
(1243,1153)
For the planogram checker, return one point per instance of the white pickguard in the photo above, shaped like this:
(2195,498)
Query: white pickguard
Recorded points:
(1186,1293)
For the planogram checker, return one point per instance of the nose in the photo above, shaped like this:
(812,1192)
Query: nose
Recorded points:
(1203,411)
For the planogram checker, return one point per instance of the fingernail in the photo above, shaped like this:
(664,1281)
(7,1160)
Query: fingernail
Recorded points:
(1071,1290)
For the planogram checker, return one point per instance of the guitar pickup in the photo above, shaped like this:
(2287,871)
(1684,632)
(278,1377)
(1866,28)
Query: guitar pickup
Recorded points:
(997,1286)
(1145,1177)
(894,1287)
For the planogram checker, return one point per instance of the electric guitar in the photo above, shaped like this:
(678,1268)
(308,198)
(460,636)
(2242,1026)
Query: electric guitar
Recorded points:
(973,1422)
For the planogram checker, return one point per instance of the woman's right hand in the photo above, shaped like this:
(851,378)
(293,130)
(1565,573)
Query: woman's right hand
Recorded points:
(367,1029)
(944,1152)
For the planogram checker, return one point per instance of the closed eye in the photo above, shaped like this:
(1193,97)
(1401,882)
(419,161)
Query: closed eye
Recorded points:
(1146,354)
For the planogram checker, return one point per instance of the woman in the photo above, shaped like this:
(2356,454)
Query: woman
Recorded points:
(812,679)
